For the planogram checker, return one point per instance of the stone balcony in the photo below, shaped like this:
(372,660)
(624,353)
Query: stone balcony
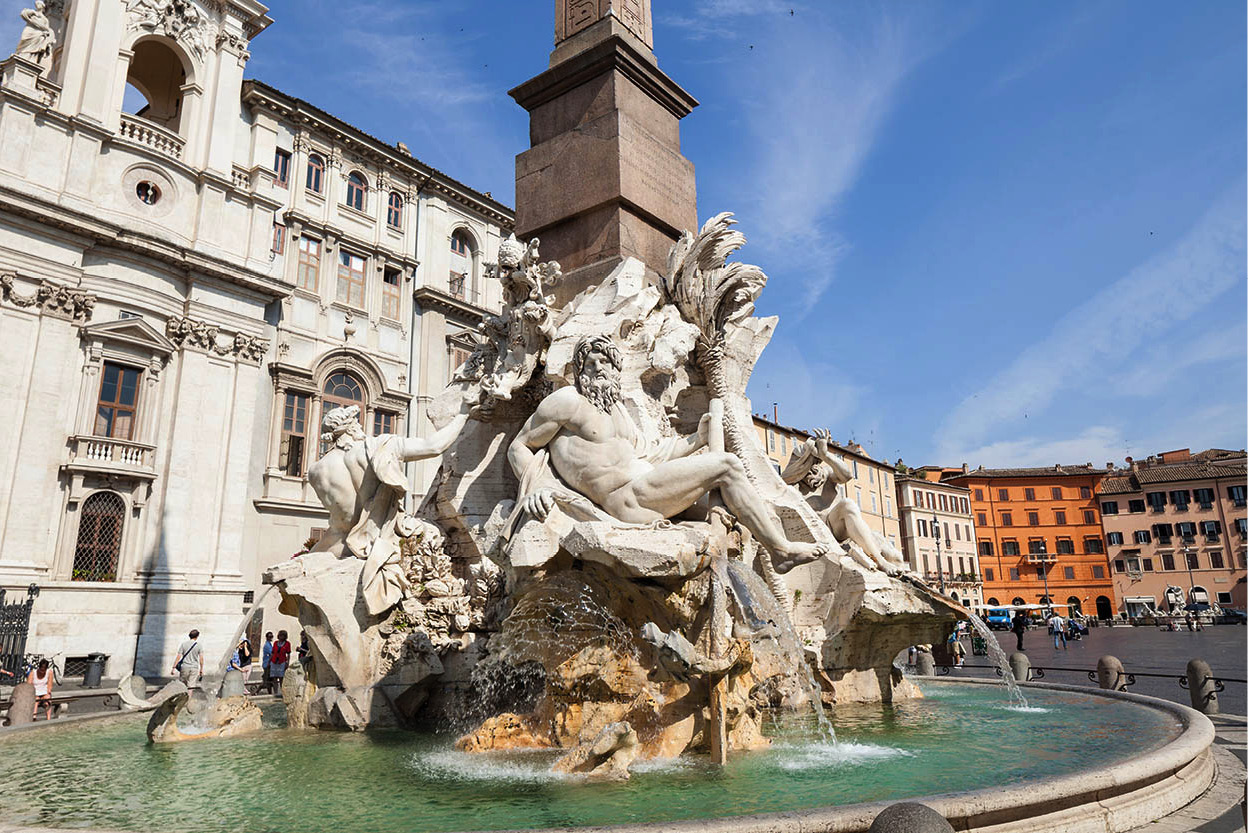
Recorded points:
(139,131)
(107,455)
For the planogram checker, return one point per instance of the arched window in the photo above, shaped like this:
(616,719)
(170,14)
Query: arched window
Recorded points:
(461,264)
(356,188)
(154,82)
(993,601)
(1075,606)
(316,173)
(1018,601)
(394,210)
(99,538)
(461,244)
(341,389)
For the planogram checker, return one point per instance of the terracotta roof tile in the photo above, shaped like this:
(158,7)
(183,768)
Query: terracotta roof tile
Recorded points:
(1029,472)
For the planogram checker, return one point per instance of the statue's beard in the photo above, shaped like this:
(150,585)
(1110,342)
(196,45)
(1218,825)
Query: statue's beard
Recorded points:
(814,479)
(603,392)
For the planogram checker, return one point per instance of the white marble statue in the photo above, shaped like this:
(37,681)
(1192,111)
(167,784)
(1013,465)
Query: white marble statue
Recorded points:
(593,445)
(821,477)
(37,38)
(360,480)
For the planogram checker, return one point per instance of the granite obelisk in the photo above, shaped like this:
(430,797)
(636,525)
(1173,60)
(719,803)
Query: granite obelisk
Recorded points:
(604,178)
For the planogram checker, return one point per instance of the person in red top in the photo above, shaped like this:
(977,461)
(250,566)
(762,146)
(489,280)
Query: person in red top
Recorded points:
(278,662)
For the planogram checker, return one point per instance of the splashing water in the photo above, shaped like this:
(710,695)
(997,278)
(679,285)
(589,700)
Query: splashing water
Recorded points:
(256,608)
(999,660)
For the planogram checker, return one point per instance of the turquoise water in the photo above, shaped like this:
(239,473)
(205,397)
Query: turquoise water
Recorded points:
(961,737)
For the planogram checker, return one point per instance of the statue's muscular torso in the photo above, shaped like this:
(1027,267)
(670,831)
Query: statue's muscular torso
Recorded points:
(591,450)
(336,478)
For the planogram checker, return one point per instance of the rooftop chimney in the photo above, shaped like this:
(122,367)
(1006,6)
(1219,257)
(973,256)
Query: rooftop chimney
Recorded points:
(965,469)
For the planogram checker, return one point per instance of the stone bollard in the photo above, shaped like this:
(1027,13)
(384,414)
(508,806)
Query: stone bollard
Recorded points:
(1020,667)
(1202,687)
(21,704)
(232,685)
(1109,674)
(909,816)
(924,663)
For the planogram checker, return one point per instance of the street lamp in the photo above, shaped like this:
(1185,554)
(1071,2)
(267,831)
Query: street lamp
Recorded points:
(1191,579)
(1044,563)
(940,570)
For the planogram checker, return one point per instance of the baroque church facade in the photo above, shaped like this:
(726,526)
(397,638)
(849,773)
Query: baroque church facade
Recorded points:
(193,268)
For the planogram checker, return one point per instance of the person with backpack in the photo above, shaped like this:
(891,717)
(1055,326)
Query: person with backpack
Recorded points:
(189,665)
(278,661)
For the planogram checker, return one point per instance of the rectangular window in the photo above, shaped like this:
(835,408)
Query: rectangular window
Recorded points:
(1203,497)
(1085,492)
(390,281)
(1211,529)
(294,434)
(858,496)
(1003,495)
(1029,494)
(944,503)
(1009,548)
(1035,546)
(1109,508)
(967,528)
(1186,531)
(1241,527)
(1215,559)
(1065,546)
(1068,572)
(985,548)
(1157,500)
(1135,505)
(979,495)
(957,533)
(1143,537)
(870,475)
(1057,493)
(1093,545)
(1089,516)
(1120,566)
(1180,498)
(1224,598)
(279,239)
(1007,520)
(961,566)
(1193,560)
(1238,494)
(118,400)
(309,262)
(989,576)
(1098,571)
(922,527)
(771,440)
(946,525)
(1033,519)
(383,422)
(351,279)
(981,519)
(281,167)
(855,468)
(1148,565)
(1059,516)
(1167,561)
(1014,574)
(888,507)
(1113,538)
(1163,532)
(784,444)
(873,509)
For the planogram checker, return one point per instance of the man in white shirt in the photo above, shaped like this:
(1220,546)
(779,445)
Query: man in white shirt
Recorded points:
(189,665)
(1058,626)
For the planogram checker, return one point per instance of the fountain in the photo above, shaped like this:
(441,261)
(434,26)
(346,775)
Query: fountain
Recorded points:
(587,619)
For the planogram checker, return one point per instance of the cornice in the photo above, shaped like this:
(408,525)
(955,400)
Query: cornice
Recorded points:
(444,302)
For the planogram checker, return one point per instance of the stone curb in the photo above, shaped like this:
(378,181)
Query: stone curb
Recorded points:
(1123,796)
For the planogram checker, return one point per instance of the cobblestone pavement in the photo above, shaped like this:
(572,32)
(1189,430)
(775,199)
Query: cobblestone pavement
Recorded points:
(1141,649)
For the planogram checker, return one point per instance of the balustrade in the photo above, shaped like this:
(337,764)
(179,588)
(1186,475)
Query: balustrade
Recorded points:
(142,132)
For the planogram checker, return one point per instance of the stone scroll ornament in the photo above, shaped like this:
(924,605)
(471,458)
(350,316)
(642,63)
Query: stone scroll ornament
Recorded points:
(513,344)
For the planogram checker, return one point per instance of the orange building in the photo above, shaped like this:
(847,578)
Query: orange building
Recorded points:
(1039,536)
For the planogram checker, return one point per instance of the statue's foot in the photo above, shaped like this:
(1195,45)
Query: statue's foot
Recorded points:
(799,553)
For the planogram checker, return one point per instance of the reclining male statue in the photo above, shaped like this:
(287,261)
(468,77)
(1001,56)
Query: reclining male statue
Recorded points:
(593,446)
(821,477)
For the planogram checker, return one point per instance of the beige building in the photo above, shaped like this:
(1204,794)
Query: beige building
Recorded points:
(938,536)
(1175,530)
(873,483)
(192,268)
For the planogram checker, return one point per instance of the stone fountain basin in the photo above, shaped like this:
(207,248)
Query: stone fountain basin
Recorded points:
(902,752)
(1119,797)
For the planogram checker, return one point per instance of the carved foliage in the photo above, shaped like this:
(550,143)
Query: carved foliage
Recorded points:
(76,305)
(188,332)
(178,19)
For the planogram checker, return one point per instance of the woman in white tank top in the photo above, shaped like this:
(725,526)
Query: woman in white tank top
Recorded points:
(41,679)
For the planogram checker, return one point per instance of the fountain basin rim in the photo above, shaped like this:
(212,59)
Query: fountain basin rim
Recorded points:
(1119,797)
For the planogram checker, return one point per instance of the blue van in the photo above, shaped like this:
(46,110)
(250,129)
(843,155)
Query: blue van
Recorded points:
(998,619)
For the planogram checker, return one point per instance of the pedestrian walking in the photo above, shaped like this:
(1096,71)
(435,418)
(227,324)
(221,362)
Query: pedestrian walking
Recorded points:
(1019,625)
(956,651)
(1058,628)
(41,679)
(278,661)
(189,664)
(265,654)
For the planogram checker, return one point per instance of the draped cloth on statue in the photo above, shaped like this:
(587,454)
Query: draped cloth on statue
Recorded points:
(375,537)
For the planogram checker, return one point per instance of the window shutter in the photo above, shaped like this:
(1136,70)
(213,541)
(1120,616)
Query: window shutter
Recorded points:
(1217,527)
(284,456)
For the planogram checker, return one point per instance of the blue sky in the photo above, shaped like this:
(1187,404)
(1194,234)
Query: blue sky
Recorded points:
(998,233)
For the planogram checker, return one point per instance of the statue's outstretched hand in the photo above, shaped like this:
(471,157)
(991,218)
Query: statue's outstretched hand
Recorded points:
(822,436)
(539,504)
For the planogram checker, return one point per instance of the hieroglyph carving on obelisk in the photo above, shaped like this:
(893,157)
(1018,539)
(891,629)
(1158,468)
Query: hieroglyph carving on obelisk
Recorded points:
(571,16)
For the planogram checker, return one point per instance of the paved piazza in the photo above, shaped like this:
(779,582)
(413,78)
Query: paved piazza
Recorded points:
(1140,649)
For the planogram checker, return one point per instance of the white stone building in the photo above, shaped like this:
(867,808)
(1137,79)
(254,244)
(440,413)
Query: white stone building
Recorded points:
(932,511)
(183,288)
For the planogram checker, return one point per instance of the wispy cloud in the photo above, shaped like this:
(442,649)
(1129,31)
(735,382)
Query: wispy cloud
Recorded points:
(1063,34)
(1090,344)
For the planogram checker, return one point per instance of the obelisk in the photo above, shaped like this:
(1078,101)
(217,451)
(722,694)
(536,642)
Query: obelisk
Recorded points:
(603,178)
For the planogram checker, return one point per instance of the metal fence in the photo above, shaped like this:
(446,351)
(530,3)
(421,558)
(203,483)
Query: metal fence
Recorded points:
(14,627)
